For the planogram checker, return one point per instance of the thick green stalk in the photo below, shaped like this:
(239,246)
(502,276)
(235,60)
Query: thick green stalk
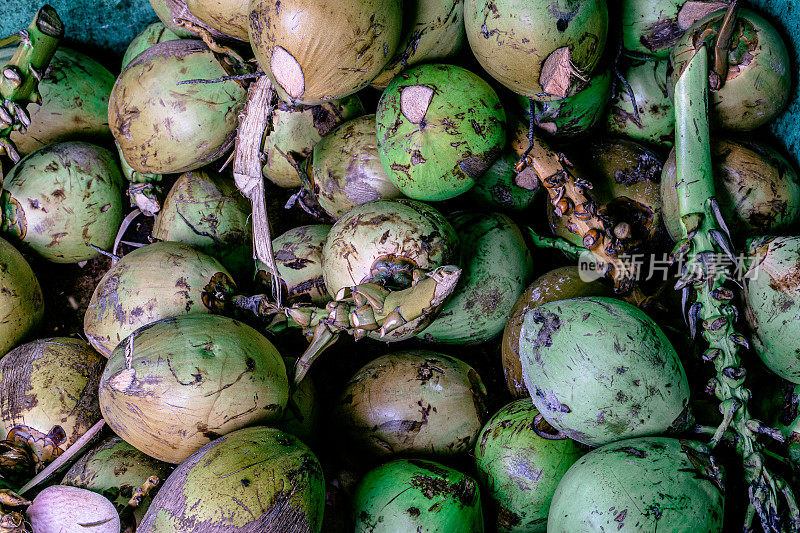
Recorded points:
(705,242)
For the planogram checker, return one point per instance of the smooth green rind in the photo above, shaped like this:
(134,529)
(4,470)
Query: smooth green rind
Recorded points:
(153,34)
(496,189)
(21,299)
(772,299)
(436,143)
(63,198)
(189,380)
(648,81)
(496,267)
(574,115)
(296,129)
(600,370)
(156,281)
(519,469)
(206,210)
(645,484)
(417,496)
(116,469)
(253,480)
(415,402)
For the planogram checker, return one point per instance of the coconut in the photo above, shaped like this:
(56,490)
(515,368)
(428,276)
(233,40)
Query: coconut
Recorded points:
(384,241)
(21,299)
(226,16)
(31,414)
(181,382)
(63,199)
(153,34)
(206,210)
(535,48)
(439,128)
(74,106)
(254,479)
(415,402)
(60,509)
(156,281)
(170,10)
(496,267)
(164,127)
(317,51)
(497,189)
(346,170)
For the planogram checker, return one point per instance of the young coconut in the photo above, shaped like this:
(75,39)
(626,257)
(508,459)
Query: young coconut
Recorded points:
(59,508)
(206,210)
(176,384)
(346,170)
(414,402)
(153,34)
(755,66)
(600,370)
(439,128)
(156,281)
(21,299)
(318,51)
(558,284)
(417,496)
(432,30)
(298,256)
(48,400)
(645,484)
(296,129)
(74,103)
(253,479)
(757,190)
(163,126)
(64,200)
(520,459)
(226,16)
(496,267)
(497,188)
(538,49)
(384,241)
(115,469)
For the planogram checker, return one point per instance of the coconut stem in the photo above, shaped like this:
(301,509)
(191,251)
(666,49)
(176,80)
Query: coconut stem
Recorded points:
(704,239)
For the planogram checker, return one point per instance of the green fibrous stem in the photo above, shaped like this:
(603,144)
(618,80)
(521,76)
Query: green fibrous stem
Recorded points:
(19,78)
(556,243)
(704,241)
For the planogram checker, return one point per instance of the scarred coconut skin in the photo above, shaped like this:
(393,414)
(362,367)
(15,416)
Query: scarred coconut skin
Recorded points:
(21,299)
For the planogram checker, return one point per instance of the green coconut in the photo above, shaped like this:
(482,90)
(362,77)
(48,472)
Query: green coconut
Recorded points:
(48,400)
(164,127)
(656,124)
(758,82)
(206,210)
(558,284)
(496,267)
(433,30)
(63,199)
(415,402)
(176,384)
(520,459)
(296,129)
(75,91)
(226,16)
(497,189)
(156,281)
(772,298)
(318,51)
(21,299)
(600,370)
(645,484)
(153,34)
(384,241)
(417,496)
(757,189)
(298,256)
(538,48)
(253,479)
(116,469)
(439,128)
(345,169)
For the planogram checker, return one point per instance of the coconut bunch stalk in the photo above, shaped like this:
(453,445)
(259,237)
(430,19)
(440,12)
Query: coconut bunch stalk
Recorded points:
(705,237)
